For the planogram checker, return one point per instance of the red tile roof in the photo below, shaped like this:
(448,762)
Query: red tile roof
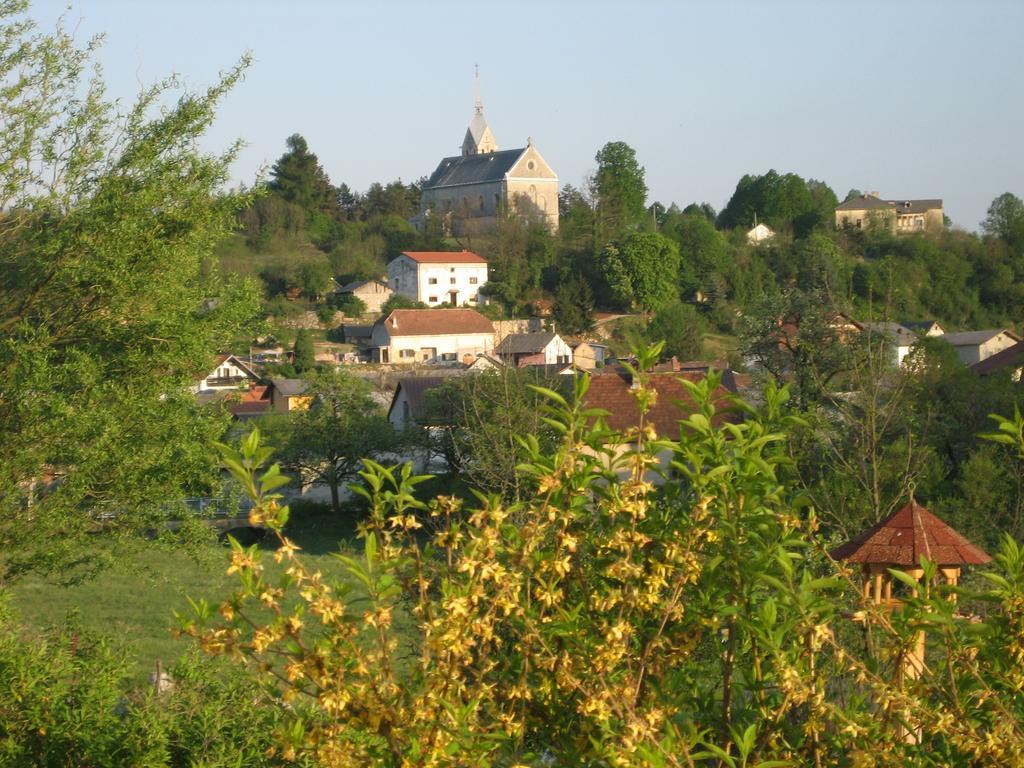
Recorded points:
(908,535)
(435,322)
(445,257)
(611,392)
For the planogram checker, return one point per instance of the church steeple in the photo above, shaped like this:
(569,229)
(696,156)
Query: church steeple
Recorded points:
(479,139)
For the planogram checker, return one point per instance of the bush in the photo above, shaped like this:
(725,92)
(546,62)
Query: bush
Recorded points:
(604,621)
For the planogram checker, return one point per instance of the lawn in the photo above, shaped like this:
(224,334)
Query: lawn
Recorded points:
(135,600)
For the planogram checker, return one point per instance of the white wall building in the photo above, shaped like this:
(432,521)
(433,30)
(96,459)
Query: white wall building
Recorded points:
(975,346)
(433,336)
(438,277)
(229,373)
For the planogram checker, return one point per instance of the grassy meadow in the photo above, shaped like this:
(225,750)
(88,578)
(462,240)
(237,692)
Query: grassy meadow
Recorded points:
(134,601)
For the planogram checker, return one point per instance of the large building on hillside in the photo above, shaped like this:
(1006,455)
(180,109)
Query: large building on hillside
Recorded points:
(900,216)
(471,189)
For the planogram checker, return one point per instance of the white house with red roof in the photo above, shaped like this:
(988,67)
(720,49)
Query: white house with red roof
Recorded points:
(433,336)
(439,277)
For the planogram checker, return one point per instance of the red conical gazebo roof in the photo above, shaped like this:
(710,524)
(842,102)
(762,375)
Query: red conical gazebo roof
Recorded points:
(908,535)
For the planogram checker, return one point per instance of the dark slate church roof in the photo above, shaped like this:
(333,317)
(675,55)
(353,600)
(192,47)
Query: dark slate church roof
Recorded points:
(474,169)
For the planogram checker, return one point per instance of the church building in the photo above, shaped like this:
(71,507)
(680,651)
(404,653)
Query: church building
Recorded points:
(470,190)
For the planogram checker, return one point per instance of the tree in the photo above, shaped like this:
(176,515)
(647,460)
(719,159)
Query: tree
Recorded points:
(303,352)
(573,311)
(799,337)
(107,227)
(298,178)
(640,270)
(326,444)
(620,192)
(1005,219)
(702,251)
(779,200)
(680,327)
(477,419)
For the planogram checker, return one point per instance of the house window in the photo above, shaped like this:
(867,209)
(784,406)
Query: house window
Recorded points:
(432,281)
(452,280)
(432,299)
(407,353)
(563,359)
(472,298)
(448,357)
(472,281)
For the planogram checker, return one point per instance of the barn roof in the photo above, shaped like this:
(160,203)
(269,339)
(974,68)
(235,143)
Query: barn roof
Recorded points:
(903,538)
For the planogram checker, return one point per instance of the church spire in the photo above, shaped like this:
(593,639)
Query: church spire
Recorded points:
(478,104)
(479,139)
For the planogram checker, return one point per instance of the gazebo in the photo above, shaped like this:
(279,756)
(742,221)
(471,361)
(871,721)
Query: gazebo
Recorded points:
(899,542)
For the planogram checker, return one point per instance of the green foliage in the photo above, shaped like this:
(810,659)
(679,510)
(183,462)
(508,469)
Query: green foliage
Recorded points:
(349,304)
(326,443)
(781,201)
(638,270)
(573,310)
(600,621)
(63,703)
(798,336)
(298,178)
(400,301)
(680,327)
(1005,219)
(620,191)
(304,354)
(108,223)
(477,422)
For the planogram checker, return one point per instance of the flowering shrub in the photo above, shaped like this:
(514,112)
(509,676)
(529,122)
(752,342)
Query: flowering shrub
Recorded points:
(654,602)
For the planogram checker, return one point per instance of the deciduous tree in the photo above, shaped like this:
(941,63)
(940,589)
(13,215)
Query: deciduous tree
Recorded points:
(107,314)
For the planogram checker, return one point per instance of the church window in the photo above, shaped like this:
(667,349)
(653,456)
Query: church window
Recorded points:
(531,165)
(481,202)
(497,202)
(543,203)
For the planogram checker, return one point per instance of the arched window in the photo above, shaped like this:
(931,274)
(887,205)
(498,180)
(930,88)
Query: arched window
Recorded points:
(481,202)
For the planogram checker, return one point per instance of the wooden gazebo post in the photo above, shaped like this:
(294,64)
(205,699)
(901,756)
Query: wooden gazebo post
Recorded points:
(899,542)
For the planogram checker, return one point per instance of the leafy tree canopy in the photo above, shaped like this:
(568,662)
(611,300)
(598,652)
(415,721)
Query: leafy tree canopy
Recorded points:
(779,200)
(638,270)
(620,190)
(109,309)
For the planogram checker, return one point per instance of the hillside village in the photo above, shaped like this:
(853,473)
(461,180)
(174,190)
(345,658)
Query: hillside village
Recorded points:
(424,316)
(489,468)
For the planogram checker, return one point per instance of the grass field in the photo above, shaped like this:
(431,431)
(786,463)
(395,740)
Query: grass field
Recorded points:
(135,600)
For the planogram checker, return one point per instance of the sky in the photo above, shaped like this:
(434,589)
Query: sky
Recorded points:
(910,98)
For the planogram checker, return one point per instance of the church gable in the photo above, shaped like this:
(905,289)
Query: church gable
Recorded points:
(532,166)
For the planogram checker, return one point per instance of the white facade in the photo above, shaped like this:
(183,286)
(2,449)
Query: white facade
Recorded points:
(759,234)
(433,349)
(434,281)
(230,373)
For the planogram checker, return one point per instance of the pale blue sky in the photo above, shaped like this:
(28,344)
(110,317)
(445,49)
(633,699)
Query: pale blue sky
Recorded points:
(911,98)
